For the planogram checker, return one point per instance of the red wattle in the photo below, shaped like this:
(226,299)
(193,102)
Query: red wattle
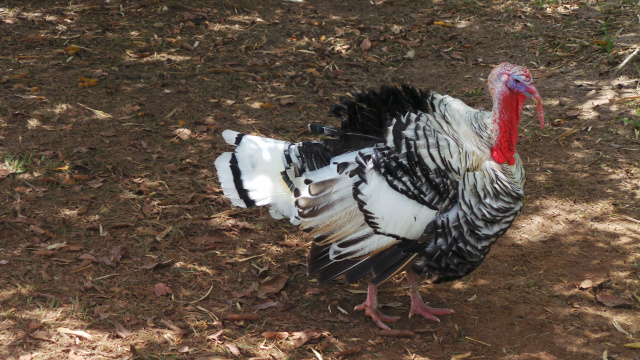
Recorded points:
(508,118)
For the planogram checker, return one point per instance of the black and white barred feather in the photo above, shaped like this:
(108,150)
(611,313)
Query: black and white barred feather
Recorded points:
(405,181)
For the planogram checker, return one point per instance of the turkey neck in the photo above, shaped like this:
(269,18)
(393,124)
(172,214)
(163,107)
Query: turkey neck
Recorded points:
(506,117)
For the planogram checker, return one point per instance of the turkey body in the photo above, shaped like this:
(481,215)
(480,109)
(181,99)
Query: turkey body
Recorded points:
(412,180)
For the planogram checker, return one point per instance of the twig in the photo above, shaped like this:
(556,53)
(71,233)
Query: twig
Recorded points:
(203,297)
(591,162)
(631,56)
(478,341)
(627,60)
(104,277)
(629,218)
(250,257)
(567,133)
(627,98)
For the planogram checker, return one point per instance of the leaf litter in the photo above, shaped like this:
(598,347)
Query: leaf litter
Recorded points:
(91,157)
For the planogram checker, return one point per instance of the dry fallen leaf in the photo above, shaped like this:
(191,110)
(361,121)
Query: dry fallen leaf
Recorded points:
(23,189)
(96,183)
(71,50)
(587,284)
(233,349)
(409,55)
(37,230)
(313,71)
(365,44)
(40,335)
(269,304)
(302,337)
(442,23)
(247,292)
(216,337)
(206,239)
(79,333)
(172,326)
(121,331)
(44,252)
(457,55)
(171,167)
(156,265)
(287,101)
(315,291)
(461,356)
(161,289)
(164,233)
(619,327)
(97,113)
(612,300)
(279,335)
(411,43)
(242,317)
(351,351)
(162,245)
(85,82)
(396,333)
(145,231)
(182,133)
(272,286)
(83,265)
(266,106)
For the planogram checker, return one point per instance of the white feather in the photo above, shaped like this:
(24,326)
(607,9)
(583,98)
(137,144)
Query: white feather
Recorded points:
(394,213)
(260,163)
(226,179)
(230,136)
(363,242)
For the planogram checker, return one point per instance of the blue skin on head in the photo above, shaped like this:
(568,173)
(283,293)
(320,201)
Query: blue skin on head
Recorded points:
(517,83)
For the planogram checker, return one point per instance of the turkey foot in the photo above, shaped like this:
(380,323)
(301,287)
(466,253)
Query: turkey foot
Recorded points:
(417,305)
(370,307)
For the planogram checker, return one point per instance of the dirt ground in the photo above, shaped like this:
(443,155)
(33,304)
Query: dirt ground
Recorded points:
(116,241)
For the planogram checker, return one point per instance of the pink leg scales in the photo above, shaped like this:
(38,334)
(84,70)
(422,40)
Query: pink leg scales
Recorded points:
(417,305)
(370,307)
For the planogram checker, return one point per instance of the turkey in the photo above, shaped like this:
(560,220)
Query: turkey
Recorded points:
(412,181)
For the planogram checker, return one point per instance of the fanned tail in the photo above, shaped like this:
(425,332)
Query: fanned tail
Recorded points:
(264,171)
(365,120)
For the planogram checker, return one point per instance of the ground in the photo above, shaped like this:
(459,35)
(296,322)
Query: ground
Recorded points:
(116,240)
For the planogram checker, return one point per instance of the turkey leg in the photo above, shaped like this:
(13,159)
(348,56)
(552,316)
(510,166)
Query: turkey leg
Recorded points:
(370,307)
(417,305)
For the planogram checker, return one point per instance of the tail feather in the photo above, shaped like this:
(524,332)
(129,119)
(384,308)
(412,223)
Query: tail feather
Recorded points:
(230,177)
(253,174)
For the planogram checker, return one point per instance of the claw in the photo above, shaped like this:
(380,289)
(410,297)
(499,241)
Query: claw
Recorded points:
(370,307)
(418,306)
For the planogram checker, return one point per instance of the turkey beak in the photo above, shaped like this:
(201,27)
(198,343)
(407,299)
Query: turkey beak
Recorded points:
(532,92)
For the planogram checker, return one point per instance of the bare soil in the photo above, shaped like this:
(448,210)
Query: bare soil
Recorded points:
(116,241)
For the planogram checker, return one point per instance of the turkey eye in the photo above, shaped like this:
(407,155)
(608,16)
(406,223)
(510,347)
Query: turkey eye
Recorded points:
(517,81)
